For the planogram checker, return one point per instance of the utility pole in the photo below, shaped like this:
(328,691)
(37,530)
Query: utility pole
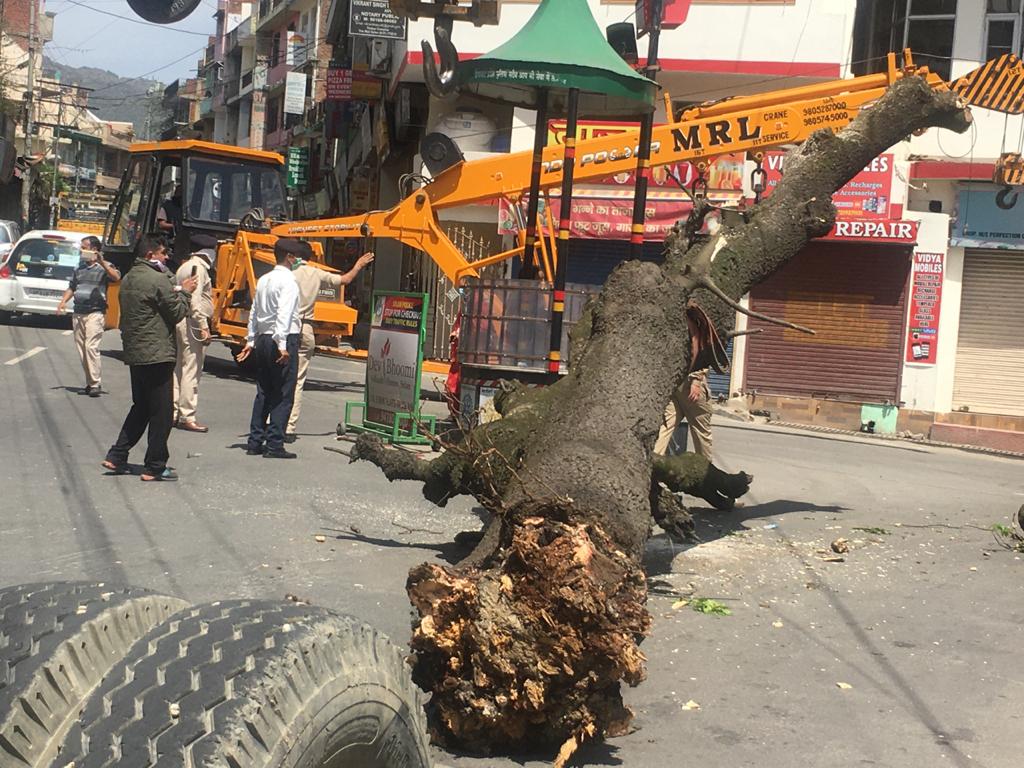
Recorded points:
(26,180)
(54,201)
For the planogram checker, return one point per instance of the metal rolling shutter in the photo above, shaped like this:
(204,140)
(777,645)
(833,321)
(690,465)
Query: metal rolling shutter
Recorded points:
(854,296)
(989,374)
(718,383)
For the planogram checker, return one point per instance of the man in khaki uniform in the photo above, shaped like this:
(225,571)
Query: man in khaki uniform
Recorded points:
(193,333)
(88,287)
(692,401)
(311,280)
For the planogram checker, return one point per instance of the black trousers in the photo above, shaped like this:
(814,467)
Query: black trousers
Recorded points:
(152,407)
(275,392)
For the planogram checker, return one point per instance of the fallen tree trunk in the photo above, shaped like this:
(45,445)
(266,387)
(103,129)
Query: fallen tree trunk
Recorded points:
(532,646)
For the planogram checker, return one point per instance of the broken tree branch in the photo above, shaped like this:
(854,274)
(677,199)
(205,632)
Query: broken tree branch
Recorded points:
(708,283)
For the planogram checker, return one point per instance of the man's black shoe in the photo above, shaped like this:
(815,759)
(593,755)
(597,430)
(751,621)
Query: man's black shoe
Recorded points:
(291,438)
(250,451)
(279,453)
(95,391)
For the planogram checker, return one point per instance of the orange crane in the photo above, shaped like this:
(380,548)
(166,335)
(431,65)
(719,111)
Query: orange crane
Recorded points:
(750,124)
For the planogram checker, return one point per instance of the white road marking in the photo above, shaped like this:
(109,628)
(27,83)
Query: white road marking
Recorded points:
(26,356)
(67,333)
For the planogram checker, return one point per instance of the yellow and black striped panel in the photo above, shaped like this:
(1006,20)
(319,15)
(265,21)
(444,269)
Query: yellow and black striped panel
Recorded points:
(997,85)
(1009,169)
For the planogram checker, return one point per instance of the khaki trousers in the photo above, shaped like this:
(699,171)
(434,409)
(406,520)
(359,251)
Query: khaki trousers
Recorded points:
(88,330)
(188,370)
(697,415)
(307,348)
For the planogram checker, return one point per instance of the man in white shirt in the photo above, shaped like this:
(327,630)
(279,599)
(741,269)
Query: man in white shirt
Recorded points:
(273,343)
(194,333)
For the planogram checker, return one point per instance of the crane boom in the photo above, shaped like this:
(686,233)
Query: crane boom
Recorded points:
(748,124)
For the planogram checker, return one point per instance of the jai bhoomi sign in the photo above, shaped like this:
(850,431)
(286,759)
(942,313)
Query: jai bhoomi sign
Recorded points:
(394,357)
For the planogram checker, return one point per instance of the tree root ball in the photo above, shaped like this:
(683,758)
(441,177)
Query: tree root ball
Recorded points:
(535,649)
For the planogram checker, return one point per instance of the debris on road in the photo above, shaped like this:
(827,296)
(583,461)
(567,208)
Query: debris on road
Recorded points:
(320,538)
(840,546)
(691,706)
(844,686)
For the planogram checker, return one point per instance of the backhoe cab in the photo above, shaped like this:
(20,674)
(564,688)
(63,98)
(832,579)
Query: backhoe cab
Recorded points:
(181,188)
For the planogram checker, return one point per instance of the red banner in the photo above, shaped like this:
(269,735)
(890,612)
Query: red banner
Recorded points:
(925,300)
(866,196)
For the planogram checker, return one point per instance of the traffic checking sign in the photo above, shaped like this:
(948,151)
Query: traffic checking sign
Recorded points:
(393,363)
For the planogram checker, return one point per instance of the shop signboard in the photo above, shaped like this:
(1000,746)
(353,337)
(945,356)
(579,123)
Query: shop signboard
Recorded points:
(867,195)
(339,84)
(295,93)
(980,223)
(393,363)
(297,166)
(373,18)
(925,300)
(350,85)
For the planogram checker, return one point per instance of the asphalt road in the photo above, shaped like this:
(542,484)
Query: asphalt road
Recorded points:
(923,622)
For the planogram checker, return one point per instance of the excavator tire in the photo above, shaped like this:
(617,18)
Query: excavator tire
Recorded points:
(57,641)
(246,684)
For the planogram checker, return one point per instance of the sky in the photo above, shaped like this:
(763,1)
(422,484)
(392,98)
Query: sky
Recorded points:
(86,36)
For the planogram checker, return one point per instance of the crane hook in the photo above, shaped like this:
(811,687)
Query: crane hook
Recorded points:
(1006,198)
(440,83)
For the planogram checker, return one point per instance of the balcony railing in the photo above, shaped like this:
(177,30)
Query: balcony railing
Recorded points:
(231,90)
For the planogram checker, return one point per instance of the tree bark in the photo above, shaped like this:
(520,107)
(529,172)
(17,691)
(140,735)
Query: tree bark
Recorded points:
(532,646)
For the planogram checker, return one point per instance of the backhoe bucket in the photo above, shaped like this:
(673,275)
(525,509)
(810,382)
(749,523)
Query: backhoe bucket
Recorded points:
(997,85)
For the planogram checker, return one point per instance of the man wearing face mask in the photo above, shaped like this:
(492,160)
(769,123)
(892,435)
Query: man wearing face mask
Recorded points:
(273,342)
(194,332)
(152,305)
(88,287)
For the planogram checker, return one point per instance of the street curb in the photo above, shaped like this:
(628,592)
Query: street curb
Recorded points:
(894,438)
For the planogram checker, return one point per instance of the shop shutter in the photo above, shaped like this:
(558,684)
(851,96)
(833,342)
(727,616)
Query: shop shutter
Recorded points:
(854,296)
(718,383)
(989,374)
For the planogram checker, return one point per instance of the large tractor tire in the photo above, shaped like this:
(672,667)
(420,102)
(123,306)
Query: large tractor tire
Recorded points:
(255,685)
(57,641)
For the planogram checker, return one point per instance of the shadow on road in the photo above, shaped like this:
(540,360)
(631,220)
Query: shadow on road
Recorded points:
(711,524)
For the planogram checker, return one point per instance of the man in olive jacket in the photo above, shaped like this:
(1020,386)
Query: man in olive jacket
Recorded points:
(151,306)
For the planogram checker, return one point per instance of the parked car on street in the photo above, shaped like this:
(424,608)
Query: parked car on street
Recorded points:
(9,234)
(35,274)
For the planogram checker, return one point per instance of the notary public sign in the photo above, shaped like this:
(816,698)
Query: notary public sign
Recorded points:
(394,356)
(373,18)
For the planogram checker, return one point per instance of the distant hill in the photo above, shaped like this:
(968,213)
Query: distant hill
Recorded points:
(115,97)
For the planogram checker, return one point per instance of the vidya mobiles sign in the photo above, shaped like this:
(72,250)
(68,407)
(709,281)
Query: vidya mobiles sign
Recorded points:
(925,300)
(394,358)
(373,18)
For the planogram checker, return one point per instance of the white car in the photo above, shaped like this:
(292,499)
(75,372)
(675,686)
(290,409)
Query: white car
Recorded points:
(35,274)
(9,234)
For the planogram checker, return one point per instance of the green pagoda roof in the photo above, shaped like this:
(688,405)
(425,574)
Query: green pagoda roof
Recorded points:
(559,48)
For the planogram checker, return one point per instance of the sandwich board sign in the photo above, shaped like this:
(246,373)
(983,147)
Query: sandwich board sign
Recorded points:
(393,363)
